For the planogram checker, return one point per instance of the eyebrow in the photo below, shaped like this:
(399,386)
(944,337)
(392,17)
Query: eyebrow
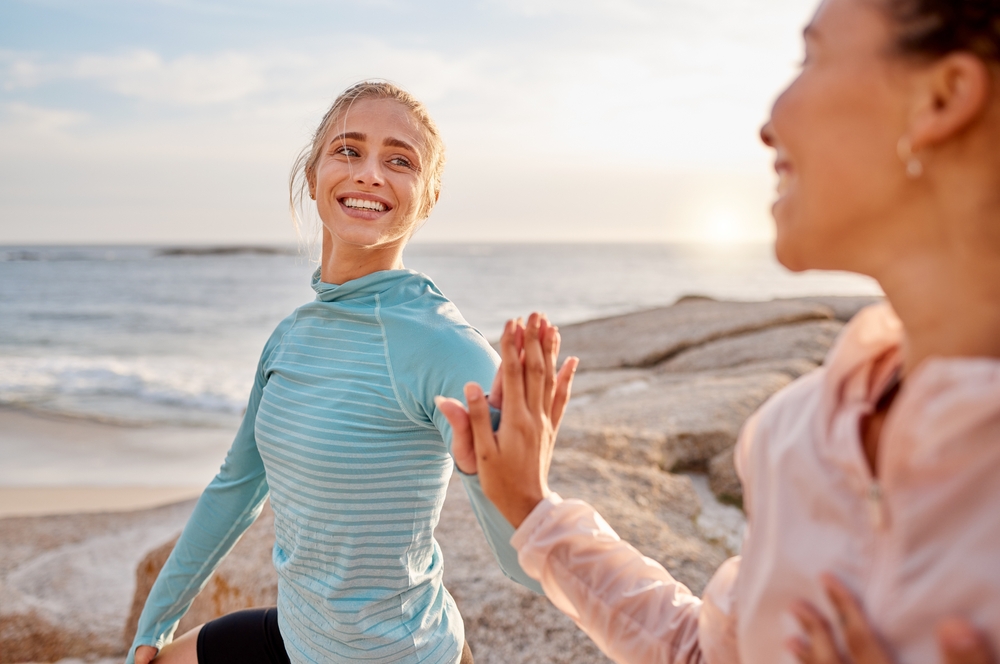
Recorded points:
(350,135)
(389,142)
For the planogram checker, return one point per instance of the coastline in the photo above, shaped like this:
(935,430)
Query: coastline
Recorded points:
(63,465)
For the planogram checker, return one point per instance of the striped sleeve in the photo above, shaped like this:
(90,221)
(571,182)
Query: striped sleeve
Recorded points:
(228,506)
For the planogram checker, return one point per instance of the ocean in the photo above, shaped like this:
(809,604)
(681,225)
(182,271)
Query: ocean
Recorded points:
(151,335)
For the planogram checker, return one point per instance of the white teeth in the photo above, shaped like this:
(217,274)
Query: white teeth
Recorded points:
(362,204)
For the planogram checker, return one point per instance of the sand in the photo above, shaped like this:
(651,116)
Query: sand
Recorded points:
(55,465)
(37,501)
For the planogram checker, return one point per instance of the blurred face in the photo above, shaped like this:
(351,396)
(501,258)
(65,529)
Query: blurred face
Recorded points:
(368,182)
(835,132)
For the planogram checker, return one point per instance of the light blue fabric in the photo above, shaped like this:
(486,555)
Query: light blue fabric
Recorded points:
(341,430)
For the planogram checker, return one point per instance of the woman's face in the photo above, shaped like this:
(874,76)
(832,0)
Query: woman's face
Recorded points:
(369,180)
(835,132)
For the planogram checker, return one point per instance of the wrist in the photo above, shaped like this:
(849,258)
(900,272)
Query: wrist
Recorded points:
(525,506)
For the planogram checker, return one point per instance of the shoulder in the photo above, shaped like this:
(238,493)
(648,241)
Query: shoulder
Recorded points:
(422,324)
(274,341)
(788,420)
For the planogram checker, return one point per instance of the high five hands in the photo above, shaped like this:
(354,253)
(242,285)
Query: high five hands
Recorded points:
(513,463)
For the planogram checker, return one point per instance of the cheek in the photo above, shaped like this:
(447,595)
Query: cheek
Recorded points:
(835,133)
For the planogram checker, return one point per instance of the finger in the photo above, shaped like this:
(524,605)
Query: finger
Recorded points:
(549,335)
(862,642)
(462,448)
(534,366)
(496,391)
(564,388)
(511,368)
(961,643)
(800,648)
(819,634)
(483,440)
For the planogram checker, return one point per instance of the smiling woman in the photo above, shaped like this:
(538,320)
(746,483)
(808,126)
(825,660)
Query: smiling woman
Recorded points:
(342,430)
(374,169)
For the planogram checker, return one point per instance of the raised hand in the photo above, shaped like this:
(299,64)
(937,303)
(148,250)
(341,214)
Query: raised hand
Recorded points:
(958,641)
(513,464)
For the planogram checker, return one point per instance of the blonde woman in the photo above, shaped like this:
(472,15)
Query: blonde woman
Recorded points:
(342,431)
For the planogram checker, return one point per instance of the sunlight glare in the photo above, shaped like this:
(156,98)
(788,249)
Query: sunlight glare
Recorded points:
(724,226)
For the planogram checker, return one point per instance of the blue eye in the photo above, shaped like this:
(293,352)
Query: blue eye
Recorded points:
(401,161)
(347,151)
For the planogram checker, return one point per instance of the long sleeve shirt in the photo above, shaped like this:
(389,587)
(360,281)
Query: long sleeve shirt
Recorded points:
(342,433)
(916,543)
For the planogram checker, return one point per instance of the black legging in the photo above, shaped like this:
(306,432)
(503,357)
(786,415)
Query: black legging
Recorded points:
(251,636)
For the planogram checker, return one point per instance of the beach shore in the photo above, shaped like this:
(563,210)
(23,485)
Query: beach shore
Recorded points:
(59,465)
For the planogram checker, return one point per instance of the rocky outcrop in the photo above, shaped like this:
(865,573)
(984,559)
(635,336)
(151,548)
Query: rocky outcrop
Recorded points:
(670,421)
(645,338)
(66,581)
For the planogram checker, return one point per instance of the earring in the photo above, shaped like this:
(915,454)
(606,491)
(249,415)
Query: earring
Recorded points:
(914,167)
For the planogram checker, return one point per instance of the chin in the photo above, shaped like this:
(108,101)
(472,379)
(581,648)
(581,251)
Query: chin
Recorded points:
(789,256)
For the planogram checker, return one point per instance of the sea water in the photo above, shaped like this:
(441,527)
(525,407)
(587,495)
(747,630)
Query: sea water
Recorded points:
(147,335)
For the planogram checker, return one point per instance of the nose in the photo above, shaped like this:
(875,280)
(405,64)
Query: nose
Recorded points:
(368,171)
(767,135)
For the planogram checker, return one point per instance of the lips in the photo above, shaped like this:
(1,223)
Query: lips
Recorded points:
(784,170)
(363,205)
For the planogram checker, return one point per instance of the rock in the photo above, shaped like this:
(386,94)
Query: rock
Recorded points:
(806,343)
(66,580)
(586,382)
(719,523)
(245,579)
(672,421)
(648,337)
(844,307)
(723,480)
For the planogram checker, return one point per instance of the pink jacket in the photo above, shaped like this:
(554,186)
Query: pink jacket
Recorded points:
(919,543)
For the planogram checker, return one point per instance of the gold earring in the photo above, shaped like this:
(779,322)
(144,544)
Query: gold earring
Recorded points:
(914,167)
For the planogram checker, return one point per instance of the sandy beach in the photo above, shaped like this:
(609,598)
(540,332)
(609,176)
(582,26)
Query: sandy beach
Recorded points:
(58,465)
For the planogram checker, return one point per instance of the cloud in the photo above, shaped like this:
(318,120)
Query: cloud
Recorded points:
(34,119)
(187,80)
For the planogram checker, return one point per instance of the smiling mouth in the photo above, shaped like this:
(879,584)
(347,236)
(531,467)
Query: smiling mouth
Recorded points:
(361,204)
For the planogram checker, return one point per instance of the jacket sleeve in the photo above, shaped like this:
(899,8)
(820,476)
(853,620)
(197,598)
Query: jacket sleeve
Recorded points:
(628,604)
(228,506)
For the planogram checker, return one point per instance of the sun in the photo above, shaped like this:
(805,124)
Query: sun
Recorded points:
(723,226)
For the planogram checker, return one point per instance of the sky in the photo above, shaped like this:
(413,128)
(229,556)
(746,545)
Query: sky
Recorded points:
(177,121)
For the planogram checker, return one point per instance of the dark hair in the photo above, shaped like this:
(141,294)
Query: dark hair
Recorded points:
(935,28)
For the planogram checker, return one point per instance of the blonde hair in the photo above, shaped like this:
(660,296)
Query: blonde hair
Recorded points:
(305,165)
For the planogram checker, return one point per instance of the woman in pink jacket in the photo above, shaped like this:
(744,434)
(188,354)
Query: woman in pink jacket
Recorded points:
(872,485)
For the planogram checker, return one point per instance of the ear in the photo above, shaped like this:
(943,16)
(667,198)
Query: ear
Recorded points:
(437,196)
(952,96)
(311,181)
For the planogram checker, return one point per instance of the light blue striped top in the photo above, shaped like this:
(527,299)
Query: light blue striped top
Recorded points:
(341,430)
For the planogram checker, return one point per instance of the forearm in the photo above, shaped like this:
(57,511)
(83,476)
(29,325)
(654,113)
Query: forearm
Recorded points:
(628,604)
(223,513)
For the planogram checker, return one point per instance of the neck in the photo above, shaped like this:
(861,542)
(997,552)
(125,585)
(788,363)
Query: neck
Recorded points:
(948,299)
(342,263)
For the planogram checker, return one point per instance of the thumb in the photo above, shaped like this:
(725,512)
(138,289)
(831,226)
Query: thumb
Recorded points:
(961,643)
(462,448)
(145,654)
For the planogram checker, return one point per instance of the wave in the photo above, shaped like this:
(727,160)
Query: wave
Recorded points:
(146,387)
